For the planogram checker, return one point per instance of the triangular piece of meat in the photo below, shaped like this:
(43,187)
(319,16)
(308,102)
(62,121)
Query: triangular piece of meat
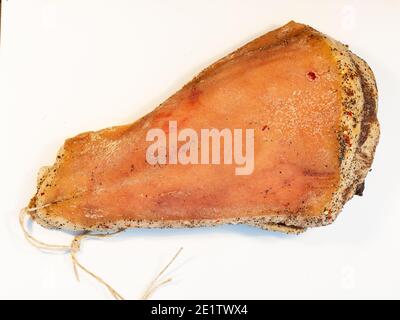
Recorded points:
(311,105)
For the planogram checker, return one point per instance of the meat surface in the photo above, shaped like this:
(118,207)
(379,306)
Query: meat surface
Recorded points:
(312,105)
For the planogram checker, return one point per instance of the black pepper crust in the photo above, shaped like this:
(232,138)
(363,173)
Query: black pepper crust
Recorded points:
(369,113)
(369,121)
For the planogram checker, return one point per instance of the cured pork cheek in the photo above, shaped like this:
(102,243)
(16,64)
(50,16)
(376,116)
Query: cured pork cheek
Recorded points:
(302,93)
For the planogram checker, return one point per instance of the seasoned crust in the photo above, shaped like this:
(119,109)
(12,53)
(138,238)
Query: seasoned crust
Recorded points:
(358,137)
(359,134)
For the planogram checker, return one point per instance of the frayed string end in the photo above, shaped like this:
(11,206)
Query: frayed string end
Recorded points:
(154,285)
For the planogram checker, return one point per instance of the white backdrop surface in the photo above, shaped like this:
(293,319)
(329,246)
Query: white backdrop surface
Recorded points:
(73,66)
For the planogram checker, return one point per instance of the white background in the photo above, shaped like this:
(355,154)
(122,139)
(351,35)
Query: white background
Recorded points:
(72,66)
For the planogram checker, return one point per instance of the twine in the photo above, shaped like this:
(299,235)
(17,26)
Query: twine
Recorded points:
(74,248)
